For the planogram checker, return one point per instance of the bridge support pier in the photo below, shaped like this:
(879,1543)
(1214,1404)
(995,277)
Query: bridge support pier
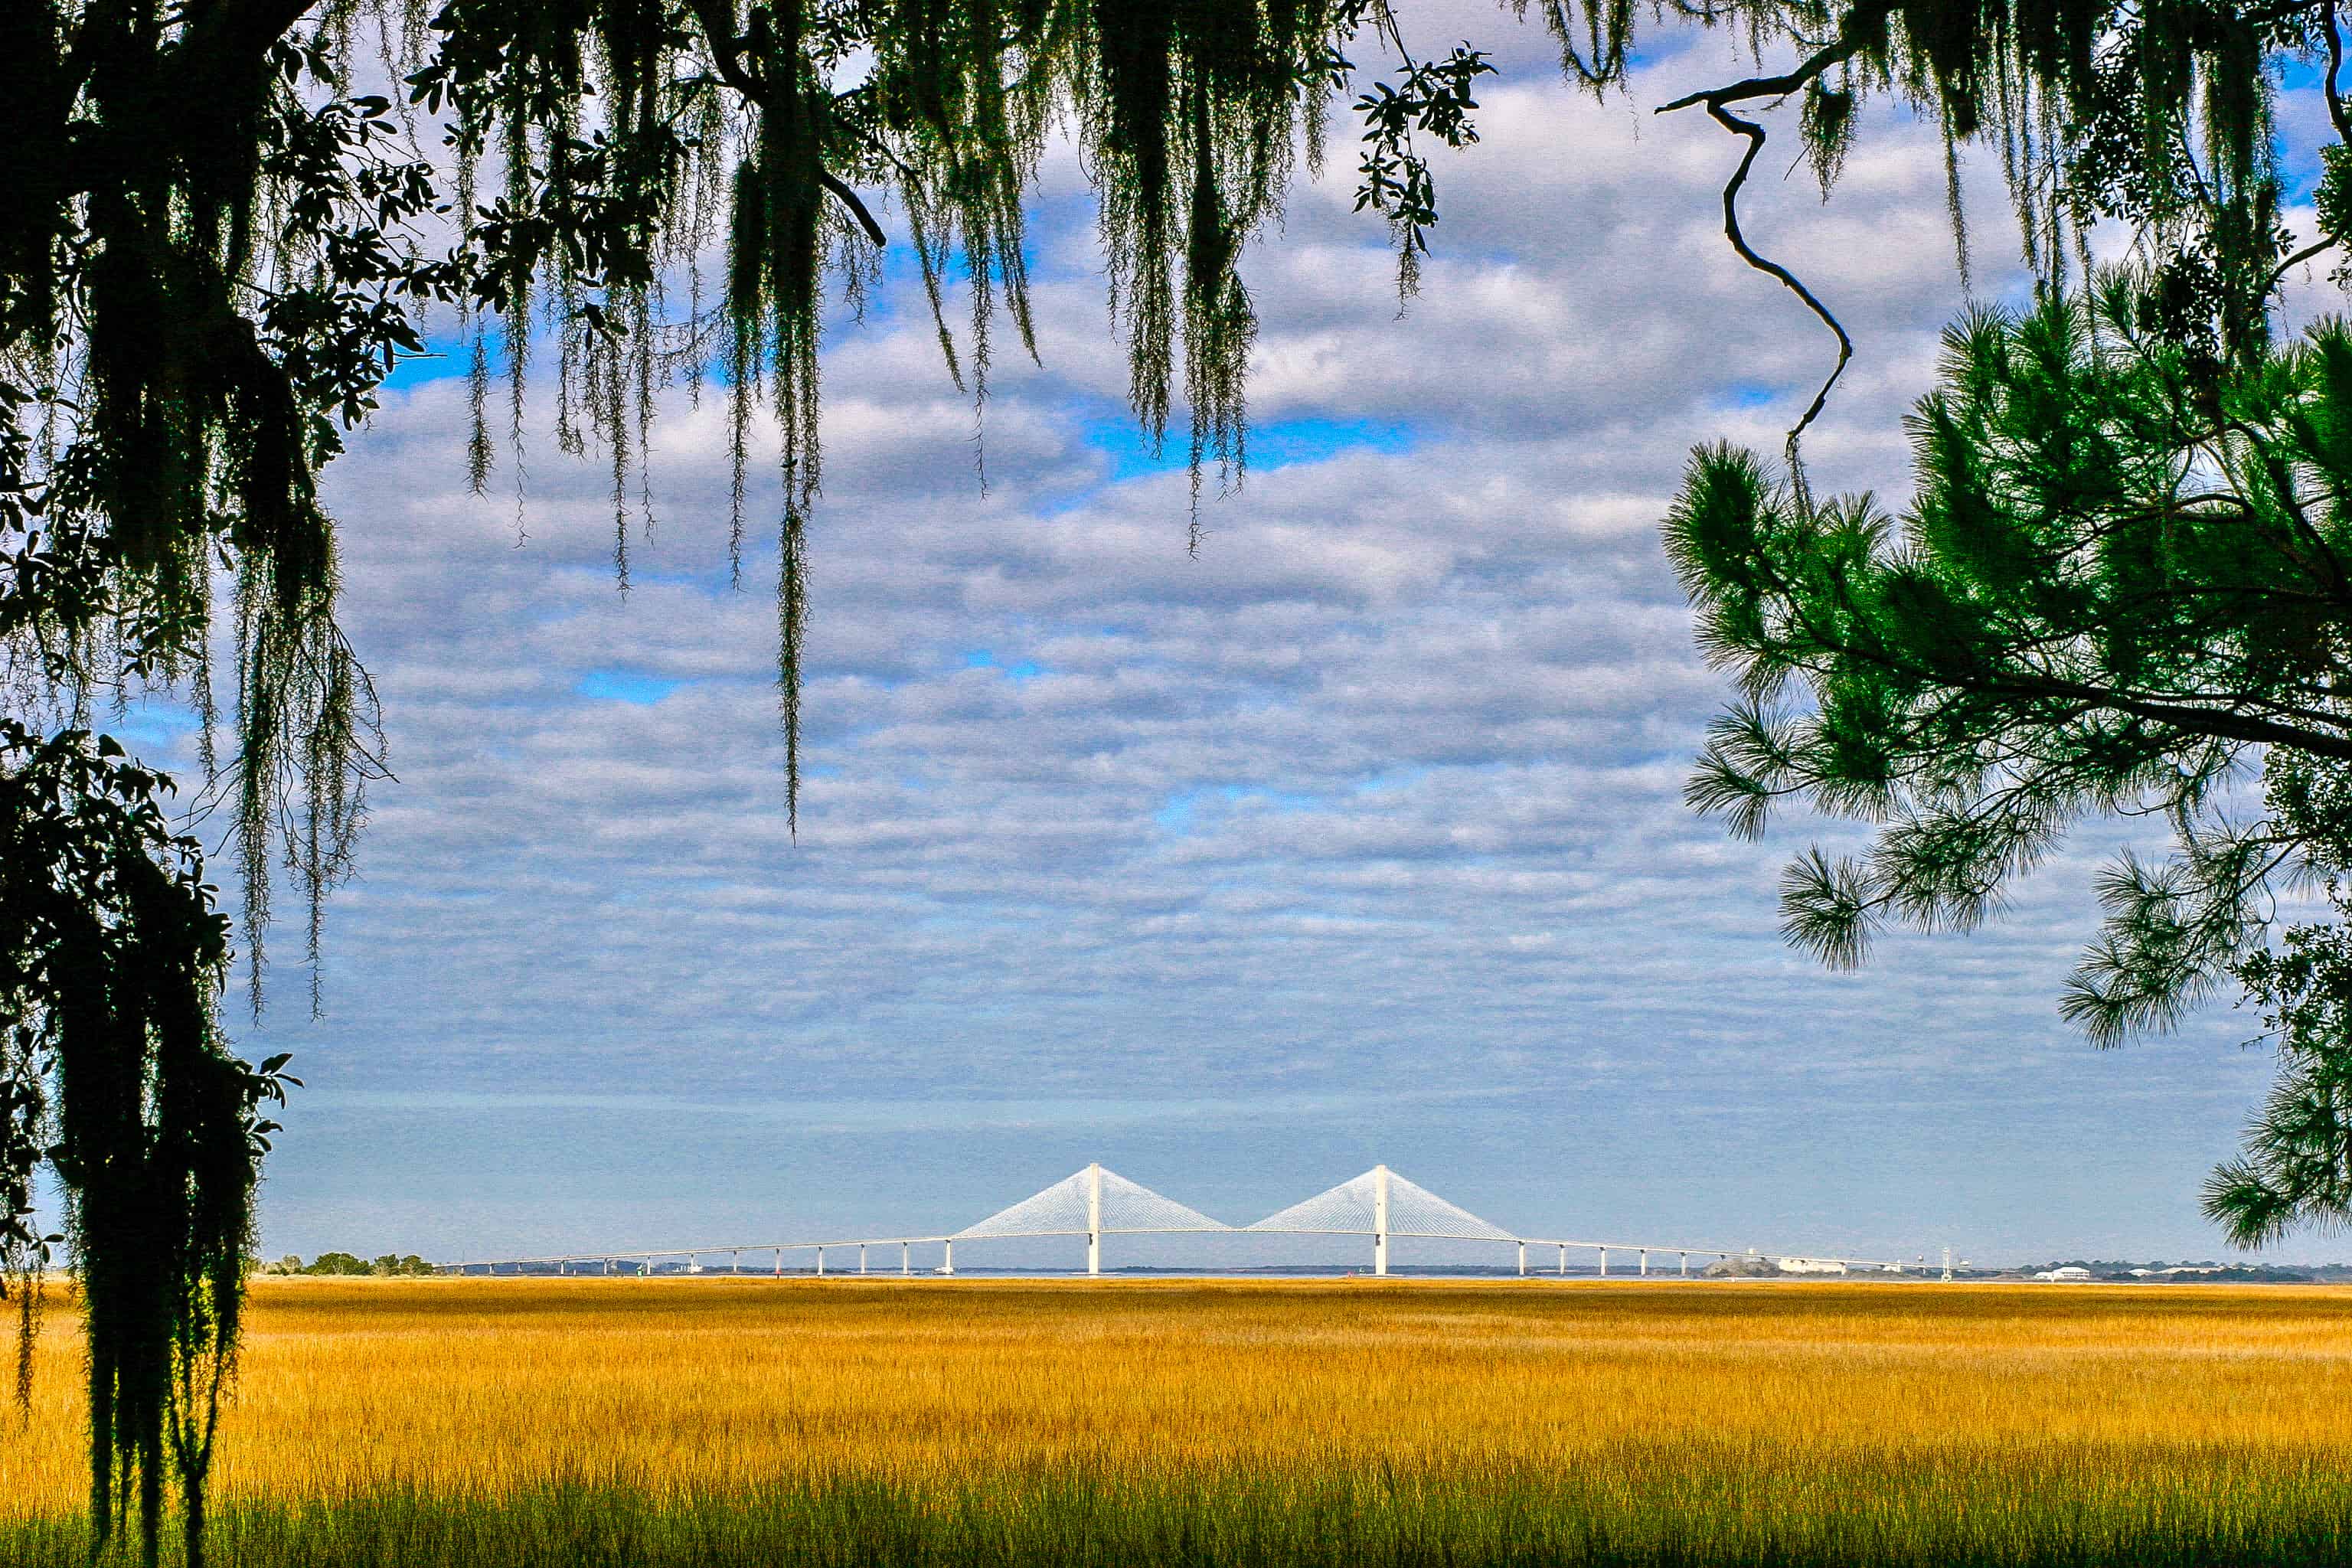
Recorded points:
(1380,1221)
(947,1258)
(1523,1260)
(820,1262)
(905,1259)
(1604,1263)
(1093,1220)
(1686,1265)
(1645,1263)
(861,1258)
(780,1263)
(1563,1260)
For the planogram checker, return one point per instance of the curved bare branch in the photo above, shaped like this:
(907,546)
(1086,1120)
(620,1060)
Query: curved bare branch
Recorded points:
(1718,102)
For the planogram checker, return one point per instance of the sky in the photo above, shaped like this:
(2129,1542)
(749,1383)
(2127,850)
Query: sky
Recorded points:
(1354,838)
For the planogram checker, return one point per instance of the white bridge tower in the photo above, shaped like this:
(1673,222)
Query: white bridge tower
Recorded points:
(1094,1202)
(1094,1218)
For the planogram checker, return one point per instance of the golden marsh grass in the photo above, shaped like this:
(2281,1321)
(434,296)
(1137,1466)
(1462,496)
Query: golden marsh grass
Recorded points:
(723,1421)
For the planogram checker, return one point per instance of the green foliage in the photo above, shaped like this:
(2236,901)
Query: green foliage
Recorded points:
(111,953)
(2297,1164)
(340,1265)
(2193,1504)
(336,1263)
(1436,99)
(2296,1167)
(2122,583)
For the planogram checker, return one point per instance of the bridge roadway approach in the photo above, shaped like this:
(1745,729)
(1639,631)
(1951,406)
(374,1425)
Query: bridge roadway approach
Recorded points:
(1094,1202)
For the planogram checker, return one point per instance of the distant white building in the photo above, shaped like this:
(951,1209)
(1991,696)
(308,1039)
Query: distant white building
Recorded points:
(2069,1275)
(1808,1266)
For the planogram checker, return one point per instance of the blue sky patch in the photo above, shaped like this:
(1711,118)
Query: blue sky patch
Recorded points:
(443,359)
(1180,813)
(1391,782)
(626,686)
(1277,445)
(1292,441)
(984,658)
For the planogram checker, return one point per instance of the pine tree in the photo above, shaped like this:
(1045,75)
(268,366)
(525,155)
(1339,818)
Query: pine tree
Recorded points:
(2123,585)
(2122,581)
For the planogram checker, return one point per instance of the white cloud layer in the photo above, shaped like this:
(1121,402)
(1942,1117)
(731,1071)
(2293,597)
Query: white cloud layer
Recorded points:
(1356,836)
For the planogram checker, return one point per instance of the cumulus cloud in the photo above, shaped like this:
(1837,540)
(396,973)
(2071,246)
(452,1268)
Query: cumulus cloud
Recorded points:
(1358,832)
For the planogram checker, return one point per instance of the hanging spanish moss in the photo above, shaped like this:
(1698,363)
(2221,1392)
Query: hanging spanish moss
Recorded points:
(111,955)
(241,281)
(221,224)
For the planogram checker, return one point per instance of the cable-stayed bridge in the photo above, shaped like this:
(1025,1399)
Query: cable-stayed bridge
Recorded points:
(1095,1202)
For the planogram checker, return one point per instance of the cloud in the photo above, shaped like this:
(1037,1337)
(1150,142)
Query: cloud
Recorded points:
(1367,815)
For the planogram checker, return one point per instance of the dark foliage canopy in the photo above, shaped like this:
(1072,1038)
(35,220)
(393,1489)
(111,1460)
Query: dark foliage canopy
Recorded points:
(2123,587)
(109,972)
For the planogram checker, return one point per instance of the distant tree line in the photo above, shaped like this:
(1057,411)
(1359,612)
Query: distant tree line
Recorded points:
(347,1263)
